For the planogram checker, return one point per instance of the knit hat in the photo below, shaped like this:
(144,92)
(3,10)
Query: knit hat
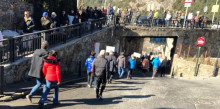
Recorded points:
(45,13)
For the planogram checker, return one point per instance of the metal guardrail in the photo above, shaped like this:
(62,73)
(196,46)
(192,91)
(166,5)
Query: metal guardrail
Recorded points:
(12,49)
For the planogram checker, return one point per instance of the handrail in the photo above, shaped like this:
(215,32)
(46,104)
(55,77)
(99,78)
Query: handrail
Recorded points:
(23,45)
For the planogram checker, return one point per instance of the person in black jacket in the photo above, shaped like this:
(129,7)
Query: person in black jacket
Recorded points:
(163,67)
(100,67)
(112,66)
(64,21)
(28,23)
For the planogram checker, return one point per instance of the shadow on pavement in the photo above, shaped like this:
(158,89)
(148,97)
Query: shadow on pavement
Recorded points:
(126,82)
(107,90)
(114,100)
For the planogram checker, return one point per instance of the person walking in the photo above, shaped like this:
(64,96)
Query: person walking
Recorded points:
(145,66)
(112,66)
(121,64)
(53,78)
(100,67)
(36,69)
(156,63)
(90,74)
(132,63)
(163,67)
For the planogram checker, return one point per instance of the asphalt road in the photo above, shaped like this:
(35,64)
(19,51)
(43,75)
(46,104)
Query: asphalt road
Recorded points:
(138,93)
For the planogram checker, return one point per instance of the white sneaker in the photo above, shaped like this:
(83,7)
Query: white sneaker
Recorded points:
(89,86)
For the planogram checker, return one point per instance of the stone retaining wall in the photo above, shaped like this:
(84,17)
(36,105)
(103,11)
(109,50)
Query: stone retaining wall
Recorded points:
(185,68)
(12,13)
(70,53)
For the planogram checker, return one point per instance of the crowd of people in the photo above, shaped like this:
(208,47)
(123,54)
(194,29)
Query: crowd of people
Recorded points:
(45,68)
(153,18)
(53,20)
(102,69)
(166,19)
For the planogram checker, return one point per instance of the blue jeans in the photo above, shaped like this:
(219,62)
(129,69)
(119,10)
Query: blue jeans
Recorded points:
(120,71)
(167,23)
(37,86)
(155,22)
(48,87)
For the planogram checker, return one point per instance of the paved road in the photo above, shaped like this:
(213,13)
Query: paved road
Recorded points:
(138,93)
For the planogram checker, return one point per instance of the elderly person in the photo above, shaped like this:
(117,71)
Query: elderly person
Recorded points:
(45,21)
(28,23)
(100,67)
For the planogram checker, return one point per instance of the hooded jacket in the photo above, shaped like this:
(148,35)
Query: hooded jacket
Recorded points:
(121,61)
(132,63)
(36,63)
(156,62)
(89,62)
(52,71)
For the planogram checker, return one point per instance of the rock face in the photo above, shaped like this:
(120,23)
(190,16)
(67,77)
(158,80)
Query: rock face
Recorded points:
(148,5)
(12,12)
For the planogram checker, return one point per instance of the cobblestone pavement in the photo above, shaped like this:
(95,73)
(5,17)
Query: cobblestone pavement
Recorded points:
(138,93)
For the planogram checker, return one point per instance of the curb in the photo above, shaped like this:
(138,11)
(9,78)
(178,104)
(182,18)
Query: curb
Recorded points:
(5,98)
(194,78)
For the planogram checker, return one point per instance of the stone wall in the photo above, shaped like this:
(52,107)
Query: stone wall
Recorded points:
(12,13)
(184,68)
(70,53)
(184,44)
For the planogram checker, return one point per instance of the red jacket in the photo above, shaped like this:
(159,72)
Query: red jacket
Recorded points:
(52,71)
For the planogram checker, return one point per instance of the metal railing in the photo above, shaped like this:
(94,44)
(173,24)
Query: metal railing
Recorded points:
(12,49)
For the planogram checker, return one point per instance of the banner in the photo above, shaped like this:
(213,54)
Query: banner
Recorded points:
(110,48)
(215,8)
(138,55)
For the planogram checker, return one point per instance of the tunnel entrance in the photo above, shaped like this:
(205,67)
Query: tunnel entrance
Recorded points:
(150,45)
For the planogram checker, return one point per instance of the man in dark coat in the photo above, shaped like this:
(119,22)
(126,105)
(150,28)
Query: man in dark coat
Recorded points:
(100,67)
(36,68)
(112,66)
(64,21)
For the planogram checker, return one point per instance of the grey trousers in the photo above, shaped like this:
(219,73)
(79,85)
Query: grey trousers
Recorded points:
(154,71)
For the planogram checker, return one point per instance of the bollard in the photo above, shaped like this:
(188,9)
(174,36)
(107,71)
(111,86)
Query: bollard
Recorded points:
(1,80)
(79,68)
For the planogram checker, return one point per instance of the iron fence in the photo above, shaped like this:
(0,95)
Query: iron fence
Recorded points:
(12,49)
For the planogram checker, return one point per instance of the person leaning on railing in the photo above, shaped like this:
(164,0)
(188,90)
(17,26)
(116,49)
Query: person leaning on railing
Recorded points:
(45,21)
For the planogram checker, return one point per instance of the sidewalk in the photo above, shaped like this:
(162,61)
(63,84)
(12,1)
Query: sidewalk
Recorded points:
(17,90)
